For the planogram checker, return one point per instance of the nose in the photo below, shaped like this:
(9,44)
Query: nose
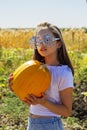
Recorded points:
(41,43)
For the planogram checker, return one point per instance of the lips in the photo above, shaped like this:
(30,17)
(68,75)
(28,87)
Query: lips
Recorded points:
(43,49)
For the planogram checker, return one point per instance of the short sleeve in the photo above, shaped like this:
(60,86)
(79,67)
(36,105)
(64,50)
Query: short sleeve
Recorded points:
(66,80)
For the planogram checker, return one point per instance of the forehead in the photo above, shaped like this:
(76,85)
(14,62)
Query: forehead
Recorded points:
(42,32)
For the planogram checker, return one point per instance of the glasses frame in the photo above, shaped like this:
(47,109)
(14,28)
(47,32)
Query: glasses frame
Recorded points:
(34,43)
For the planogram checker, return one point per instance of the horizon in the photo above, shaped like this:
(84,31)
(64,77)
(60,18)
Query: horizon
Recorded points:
(14,28)
(28,13)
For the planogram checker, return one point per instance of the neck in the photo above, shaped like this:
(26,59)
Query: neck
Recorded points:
(51,61)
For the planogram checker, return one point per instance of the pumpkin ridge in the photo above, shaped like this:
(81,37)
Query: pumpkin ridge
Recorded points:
(31,78)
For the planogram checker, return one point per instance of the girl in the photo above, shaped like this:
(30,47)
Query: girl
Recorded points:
(46,112)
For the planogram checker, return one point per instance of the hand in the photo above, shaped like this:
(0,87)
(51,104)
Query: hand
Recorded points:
(10,81)
(31,99)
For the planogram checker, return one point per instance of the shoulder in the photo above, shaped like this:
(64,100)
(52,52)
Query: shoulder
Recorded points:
(60,71)
(66,78)
(65,72)
(62,76)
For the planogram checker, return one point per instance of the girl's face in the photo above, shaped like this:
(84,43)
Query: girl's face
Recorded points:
(50,46)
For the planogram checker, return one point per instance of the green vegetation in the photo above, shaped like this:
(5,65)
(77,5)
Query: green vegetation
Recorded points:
(14,113)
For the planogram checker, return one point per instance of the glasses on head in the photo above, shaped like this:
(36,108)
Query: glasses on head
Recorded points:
(47,40)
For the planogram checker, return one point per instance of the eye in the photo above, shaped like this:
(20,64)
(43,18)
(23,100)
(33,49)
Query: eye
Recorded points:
(33,39)
(47,38)
(32,42)
(38,38)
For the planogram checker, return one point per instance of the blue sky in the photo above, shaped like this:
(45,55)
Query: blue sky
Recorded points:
(29,13)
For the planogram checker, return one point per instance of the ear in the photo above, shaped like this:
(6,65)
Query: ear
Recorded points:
(59,44)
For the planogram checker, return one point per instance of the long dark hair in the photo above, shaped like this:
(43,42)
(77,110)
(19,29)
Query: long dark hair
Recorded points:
(62,54)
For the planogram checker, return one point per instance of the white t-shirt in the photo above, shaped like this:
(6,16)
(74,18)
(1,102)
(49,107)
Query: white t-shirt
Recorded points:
(61,78)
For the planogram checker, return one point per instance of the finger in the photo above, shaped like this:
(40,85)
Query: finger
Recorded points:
(43,95)
(10,78)
(10,83)
(27,102)
(27,97)
(33,97)
(10,74)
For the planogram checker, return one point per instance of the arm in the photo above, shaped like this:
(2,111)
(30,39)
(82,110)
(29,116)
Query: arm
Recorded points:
(63,109)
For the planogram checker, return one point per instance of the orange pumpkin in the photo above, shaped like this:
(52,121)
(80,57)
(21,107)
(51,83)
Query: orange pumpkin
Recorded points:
(32,77)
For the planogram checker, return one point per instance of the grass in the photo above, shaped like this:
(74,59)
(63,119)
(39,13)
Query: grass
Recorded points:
(13,112)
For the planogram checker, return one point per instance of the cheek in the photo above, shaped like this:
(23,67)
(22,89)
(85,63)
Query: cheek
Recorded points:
(53,47)
(39,51)
(47,50)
